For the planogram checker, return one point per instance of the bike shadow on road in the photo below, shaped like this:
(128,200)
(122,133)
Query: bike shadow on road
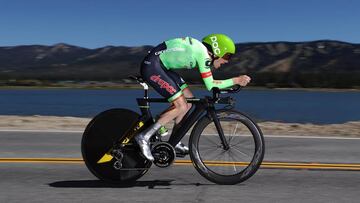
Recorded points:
(152,184)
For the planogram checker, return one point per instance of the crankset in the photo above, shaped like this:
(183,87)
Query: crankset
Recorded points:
(164,154)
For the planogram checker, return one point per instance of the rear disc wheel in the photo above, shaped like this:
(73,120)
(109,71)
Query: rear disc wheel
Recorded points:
(101,135)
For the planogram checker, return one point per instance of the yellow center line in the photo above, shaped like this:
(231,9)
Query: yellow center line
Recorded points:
(276,163)
(265,165)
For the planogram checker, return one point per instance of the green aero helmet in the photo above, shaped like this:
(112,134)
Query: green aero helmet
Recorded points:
(220,44)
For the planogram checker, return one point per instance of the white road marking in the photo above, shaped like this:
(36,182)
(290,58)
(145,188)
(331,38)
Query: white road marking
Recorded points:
(266,136)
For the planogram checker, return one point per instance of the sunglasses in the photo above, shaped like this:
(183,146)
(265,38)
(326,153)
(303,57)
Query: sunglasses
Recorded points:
(227,56)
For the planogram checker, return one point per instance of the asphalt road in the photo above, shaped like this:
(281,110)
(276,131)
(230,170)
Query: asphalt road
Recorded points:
(29,173)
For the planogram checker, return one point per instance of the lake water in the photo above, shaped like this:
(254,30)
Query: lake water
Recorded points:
(275,105)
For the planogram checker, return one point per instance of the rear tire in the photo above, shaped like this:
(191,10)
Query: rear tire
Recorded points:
(100,135)
(236,164)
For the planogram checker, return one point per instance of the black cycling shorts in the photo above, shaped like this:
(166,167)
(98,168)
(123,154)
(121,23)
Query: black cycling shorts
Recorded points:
(166,82)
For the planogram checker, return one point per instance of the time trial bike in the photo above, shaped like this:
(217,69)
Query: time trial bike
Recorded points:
(225,145)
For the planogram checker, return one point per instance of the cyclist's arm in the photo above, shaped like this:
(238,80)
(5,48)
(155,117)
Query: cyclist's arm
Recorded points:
(203,63)
(208,79)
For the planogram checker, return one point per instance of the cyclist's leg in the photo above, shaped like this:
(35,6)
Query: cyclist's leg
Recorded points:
(160,79)
(156,76)
(185,90)
(188,94)
(174,80)
(180,148)
(179,106)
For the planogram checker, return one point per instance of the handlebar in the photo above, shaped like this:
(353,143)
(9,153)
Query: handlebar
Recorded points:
(217,91)
(216,94)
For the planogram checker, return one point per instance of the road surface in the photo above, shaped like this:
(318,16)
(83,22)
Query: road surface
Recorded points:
(47,167)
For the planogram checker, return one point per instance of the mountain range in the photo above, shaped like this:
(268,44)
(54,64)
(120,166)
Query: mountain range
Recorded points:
(323,63)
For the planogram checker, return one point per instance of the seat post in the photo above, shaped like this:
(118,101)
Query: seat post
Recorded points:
(142,82)
(146,88)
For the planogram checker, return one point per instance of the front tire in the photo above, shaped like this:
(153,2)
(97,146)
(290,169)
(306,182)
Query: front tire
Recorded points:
(236,164)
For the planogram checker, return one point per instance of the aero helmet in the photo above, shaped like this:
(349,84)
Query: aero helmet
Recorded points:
(220,44)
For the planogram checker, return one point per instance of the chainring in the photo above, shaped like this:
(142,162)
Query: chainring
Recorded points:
(164,154)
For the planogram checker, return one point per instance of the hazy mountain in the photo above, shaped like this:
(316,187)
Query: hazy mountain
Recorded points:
(316,56)
(273,62)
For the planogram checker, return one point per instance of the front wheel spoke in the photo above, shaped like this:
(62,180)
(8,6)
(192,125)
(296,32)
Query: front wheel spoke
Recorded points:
(205,150)
(234,160)
(239,157)
(205,147)
(243,148)
(242,142)
(214,158)
(230,139)
(209,140)
(221,153)
(236,127)
(243,153)
(230,134)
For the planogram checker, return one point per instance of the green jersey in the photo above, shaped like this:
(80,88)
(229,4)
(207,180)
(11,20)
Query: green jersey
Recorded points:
(190,53)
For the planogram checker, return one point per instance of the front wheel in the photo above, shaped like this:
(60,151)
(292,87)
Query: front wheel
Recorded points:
(227,166)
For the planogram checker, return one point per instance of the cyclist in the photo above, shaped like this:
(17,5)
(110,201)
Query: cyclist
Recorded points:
(157,70)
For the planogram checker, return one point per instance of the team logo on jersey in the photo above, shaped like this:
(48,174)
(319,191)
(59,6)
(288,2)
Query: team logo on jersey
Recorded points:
(163,84)
(169,50)
(208,63)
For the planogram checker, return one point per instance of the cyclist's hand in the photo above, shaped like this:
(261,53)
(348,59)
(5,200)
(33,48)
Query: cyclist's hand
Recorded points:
(242,80)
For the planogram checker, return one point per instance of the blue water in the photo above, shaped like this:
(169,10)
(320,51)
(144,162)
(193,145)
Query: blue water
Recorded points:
(275,105)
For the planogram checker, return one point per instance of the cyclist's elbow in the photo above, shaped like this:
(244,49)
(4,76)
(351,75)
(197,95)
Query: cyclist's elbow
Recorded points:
(209,87)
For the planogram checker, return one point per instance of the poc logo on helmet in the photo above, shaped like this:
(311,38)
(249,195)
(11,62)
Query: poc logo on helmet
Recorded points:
(215,45)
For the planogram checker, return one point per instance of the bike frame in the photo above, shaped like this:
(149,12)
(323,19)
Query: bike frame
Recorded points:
(191,117)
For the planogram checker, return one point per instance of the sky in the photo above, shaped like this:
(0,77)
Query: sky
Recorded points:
(98,23)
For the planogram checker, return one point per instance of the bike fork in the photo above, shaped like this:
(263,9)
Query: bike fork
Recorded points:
(219,128)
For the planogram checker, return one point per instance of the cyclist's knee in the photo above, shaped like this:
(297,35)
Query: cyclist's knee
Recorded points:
(183,108)
(181,105)
(189,105)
